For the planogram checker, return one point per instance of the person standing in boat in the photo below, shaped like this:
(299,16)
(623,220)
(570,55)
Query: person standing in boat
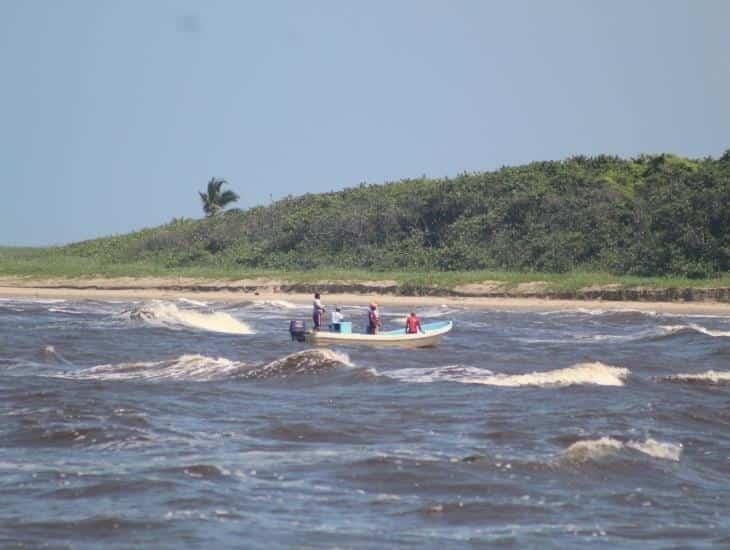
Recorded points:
(373,319)
(413,324)
(317,311)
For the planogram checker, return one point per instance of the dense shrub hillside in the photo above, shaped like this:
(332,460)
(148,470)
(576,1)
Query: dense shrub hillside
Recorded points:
(653,215)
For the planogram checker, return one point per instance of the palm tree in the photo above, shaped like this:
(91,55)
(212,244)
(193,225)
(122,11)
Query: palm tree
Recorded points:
(214,201)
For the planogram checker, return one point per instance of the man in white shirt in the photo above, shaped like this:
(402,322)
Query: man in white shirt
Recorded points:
(337,316)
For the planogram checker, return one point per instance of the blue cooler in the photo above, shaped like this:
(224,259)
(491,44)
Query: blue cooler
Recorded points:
(344,327)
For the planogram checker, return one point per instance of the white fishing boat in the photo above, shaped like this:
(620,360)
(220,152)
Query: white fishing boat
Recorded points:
(431,336)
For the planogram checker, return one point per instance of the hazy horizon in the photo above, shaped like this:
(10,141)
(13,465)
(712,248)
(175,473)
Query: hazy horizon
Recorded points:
(115,115)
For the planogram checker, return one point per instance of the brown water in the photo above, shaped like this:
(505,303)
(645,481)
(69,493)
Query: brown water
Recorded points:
(173,425)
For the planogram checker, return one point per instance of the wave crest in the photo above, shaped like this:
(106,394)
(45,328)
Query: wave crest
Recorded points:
(186,367)
(694,328)
(708,377)
(582,373)
(169,315)
(201,368)
(598,449)
(303,362)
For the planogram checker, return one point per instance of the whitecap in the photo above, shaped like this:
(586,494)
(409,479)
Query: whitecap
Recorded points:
(579,374)
(202,368)
(277,304)
(187,367)
(169,315)
(710,332)
(65,310)
(597,449)
(646,334)
(192,302)
(707,377)
(303,362)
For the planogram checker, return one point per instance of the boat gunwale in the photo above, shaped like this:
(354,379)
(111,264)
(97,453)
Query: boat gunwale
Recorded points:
(392,337)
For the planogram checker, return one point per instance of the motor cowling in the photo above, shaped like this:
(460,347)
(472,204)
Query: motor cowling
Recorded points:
(297,328)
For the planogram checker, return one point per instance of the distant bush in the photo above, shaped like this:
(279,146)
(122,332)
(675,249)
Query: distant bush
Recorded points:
(648,216)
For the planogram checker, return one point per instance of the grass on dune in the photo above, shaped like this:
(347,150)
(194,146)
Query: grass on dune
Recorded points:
(43,263)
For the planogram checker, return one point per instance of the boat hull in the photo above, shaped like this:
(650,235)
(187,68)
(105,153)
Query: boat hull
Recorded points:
(431,336)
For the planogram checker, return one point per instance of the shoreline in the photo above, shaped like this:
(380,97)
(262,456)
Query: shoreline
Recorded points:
(148,288)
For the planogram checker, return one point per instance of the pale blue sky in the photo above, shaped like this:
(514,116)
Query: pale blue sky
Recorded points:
(113,114)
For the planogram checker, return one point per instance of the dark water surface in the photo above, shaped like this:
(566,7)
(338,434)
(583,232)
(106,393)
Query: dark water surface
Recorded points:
(165,425)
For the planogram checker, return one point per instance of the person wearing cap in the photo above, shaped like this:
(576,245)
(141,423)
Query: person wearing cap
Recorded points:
(413,324)
(373,319)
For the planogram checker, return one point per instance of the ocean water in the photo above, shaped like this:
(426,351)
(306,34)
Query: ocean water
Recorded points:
(186,424)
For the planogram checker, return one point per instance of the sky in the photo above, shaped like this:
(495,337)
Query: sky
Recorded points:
(114,114)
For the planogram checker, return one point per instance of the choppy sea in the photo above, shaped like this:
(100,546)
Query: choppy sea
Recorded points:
(192,425)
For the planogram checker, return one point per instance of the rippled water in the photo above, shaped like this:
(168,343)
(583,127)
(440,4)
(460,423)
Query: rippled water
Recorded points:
(187,425)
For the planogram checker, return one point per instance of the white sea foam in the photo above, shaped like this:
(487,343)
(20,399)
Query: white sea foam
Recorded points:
(169,315)
(202,368)
(187,367)
(596,449)
(65,310)
(582,373)
(639,335)
(32,301)
(423,313)
(646,334)
(708,377)
(277,304)
(598,311)
(710,332)
(693,327)
(192,302)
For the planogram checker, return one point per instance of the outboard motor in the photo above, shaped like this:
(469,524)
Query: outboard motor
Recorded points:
(297,328)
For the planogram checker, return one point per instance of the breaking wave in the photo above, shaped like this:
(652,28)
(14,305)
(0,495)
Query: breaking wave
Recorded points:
(708,377)
(655,333)
(276,304)
(311,361)
(424,313)
(201,368)
(169,315)
(192,302)
(185,367)
(693,327)
(597,449)
(582,373)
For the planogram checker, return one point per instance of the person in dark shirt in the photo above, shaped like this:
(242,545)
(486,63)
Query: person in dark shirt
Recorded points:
(373,319)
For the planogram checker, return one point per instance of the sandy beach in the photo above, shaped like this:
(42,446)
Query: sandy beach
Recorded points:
(147,288)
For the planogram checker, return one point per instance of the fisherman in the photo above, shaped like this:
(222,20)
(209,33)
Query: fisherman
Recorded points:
(373,319)
(413,324)
(317,311)
(336,319)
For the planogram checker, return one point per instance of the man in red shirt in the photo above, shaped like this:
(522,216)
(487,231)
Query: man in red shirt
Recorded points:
(373,319)
(413,324)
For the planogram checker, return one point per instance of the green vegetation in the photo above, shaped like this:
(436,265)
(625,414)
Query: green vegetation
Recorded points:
(44,263)
(214,201)
(658,221)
